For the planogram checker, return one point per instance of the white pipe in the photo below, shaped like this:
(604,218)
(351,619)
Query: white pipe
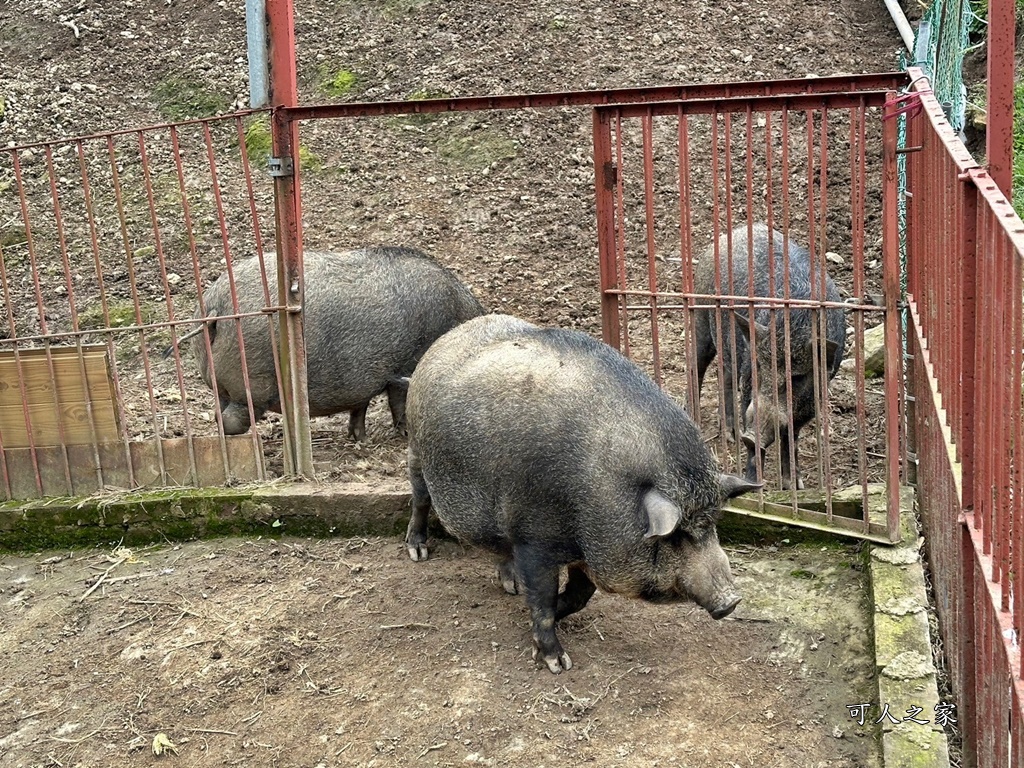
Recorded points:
(256,38)
(902,25)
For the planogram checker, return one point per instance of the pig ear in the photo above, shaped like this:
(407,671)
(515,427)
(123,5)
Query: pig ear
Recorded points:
(831,348)
(733,486)
(662,515)
(743,323)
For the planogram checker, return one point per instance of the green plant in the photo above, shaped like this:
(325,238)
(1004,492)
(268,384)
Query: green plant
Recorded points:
(337,84)
(179,98)
(121,314)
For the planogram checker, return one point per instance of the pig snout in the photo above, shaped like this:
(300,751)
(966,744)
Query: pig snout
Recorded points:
(727,607)
(707,578)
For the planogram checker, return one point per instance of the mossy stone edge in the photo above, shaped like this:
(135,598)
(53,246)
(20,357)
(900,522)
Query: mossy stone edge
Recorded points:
(292,509)
(183,514)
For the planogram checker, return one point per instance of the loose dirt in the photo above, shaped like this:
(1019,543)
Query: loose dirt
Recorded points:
(330,653)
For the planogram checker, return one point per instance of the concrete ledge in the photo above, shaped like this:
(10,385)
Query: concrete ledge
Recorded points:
(903,654)
(294,509)
(144,517)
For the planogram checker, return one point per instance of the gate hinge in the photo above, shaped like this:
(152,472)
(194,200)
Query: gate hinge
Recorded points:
(281,166)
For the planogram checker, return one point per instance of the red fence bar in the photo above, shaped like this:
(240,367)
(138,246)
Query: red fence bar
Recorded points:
(835,84)
(1000,83)
(966,242)
(288,209)
(604,184)
(893,336)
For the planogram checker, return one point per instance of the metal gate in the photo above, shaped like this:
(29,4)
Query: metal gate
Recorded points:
(683,182)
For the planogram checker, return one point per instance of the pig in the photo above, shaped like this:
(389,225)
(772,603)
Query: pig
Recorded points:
(551,449)
(370,314)
(768,408)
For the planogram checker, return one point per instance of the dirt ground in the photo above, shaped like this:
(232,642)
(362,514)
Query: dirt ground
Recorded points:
(329,653)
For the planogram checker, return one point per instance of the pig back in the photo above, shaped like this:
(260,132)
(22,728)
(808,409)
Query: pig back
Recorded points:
(547,430)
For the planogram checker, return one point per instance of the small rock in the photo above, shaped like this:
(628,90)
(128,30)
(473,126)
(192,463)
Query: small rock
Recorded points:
(834,257)
(656,39)
(874,351)
(173,278)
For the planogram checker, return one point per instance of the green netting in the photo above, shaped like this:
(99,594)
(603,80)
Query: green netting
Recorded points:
(939,47)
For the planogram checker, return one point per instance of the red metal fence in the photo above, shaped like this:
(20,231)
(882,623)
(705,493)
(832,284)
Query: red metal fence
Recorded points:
(106,244)
(678,184)
(964,259)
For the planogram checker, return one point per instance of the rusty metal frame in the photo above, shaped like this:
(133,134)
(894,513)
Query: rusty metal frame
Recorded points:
(966,336)
(649,300)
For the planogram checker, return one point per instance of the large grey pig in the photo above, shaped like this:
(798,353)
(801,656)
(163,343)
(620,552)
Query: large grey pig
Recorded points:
(370,314)
(773,385)
(551,449)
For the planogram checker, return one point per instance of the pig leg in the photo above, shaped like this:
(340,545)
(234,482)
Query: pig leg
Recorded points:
(754,455)
(396,402)
(705,349)
(729,390)
(785,470)
(578,590)
(357,422)
(416,533)
(507,576)
(539,579)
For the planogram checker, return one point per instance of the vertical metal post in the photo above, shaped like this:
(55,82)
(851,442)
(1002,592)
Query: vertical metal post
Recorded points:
(968,335)
(999,117)
(256,40)
(893,343)
(288,212)
(604,186)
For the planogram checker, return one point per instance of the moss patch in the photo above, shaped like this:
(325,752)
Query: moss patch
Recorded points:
(11,236)
(395,8)
(179,98)
(478,149)
(337,84)
(121,313)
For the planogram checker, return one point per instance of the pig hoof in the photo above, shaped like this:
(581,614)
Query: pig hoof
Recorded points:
(556,663)
(507,576)
(788,486)
(417,552)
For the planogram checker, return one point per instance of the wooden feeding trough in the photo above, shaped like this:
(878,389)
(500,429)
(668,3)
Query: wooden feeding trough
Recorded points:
(60,432)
